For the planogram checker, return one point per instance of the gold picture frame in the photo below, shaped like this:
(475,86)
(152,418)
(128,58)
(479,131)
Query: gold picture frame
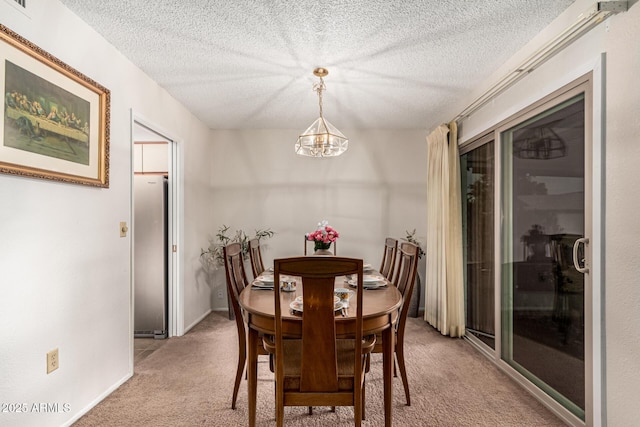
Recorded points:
(55,120)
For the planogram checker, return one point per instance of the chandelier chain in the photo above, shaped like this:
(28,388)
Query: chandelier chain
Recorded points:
(320,87)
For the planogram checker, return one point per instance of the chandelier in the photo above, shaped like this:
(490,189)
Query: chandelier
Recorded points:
(542,144)
(321,139)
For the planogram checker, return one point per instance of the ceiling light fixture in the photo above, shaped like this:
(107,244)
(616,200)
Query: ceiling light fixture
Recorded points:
(321,139)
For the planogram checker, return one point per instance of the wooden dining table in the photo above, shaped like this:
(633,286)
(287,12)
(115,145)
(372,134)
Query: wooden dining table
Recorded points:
(380,313)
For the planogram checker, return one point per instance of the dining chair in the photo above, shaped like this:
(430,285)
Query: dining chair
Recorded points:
(236,282)
(404,280)
(255,255)
(321,368)
(389,257)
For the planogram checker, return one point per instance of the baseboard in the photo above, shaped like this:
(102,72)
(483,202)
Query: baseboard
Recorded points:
(99,399)
(198,320)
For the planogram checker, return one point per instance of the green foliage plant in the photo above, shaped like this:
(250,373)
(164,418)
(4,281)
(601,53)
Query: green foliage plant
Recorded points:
(410,237)
(212,258)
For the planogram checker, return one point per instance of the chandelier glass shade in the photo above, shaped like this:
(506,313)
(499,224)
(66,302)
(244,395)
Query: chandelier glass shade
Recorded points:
(321,139)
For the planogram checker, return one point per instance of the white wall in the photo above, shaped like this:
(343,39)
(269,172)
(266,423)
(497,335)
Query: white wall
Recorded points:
(622,230)
(65,272)
(376,189)
(617,38)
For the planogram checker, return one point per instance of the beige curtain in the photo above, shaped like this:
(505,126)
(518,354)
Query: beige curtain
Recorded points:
(444,294)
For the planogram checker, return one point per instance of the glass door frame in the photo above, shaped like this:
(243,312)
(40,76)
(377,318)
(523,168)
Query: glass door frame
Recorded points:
(484,139)
(582,85)
(567,93)
(591,82)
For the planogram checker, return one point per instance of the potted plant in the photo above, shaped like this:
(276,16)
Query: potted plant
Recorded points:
(322,238)
(212,258)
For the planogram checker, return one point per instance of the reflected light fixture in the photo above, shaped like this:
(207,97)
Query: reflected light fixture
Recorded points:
(321,139)
(543,144)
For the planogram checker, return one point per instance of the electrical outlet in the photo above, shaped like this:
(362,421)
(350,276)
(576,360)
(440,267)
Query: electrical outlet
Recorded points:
(52,361)
(220,295)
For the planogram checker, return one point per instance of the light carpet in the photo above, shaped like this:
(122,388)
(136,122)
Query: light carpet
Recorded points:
(189,381)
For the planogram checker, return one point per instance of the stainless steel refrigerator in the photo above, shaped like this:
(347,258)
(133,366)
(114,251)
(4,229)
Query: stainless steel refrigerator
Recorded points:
(150,256)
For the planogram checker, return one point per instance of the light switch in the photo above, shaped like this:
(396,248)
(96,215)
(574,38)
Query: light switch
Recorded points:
(123,229)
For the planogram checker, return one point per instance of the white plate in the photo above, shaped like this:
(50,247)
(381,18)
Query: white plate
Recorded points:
(370,285)
(265,279)
(260,285)
(299,299)
(296,305)
(268,283)
(372,278)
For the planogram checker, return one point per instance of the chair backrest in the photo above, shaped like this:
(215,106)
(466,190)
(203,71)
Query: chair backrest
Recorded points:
(319,366)
(389,258)
(255,255)
(406,276)
(235,274)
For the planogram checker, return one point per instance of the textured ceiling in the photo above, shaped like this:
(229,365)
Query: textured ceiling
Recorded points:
(248,64)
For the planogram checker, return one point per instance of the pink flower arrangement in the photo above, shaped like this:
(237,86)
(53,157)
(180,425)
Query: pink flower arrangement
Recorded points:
(324,234)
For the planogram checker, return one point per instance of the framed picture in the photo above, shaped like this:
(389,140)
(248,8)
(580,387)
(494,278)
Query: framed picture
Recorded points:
(55,120)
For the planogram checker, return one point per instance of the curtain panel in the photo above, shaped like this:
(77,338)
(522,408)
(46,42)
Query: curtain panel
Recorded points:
(444,291)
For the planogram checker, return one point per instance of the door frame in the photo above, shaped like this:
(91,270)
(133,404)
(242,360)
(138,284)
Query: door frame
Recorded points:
(584,85)
(175,285)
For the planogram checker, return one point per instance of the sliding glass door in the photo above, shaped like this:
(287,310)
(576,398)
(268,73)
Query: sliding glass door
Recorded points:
(528,292)
(543,204)
(477,177)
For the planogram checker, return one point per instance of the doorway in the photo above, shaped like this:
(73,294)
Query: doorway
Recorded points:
(155,165)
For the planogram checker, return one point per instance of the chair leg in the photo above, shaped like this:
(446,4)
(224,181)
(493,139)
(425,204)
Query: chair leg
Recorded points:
(364,387)
(310,410)
(358,410)
(279,407)
(403,372)
(242,360)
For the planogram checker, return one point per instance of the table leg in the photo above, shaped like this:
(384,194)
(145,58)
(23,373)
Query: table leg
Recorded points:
(252,372)
(387,370)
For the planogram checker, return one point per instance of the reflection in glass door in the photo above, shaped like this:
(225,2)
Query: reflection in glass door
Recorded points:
(543,199)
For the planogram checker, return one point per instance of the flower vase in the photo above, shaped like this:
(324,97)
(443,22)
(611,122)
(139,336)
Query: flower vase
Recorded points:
(321,248)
